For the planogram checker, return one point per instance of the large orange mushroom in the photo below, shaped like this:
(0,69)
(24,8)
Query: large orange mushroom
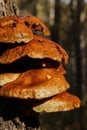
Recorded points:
(43,80)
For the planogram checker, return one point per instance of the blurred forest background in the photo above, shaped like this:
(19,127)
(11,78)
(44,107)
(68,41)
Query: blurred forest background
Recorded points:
(67,21)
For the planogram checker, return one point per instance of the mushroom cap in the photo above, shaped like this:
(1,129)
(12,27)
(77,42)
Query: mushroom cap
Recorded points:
(20,28)
(61,102)
(37,84)
(39,47)
(9,77)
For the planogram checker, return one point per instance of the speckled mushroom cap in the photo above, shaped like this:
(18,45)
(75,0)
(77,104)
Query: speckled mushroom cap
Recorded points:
(39,47)
(37,84)
(17,29)
(61,102)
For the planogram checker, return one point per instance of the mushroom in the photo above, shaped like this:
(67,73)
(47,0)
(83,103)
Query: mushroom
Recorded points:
(43,80)
(36,84)
(20,29)
(61,102)
(39,47)
(9,77)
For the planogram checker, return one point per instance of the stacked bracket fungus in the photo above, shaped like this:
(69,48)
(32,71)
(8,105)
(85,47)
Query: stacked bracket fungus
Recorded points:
(31,66)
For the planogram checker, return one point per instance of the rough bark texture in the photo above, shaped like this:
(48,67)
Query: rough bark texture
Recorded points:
(11,118)
(8,8)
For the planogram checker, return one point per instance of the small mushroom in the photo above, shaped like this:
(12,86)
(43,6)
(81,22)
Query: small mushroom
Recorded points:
(9,77)
(37,84)
(39,47)
(61,102)
(15,29)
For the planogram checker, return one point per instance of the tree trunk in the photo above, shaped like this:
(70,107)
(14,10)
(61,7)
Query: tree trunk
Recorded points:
(8,111)
(8,8)
(55,27)
(77,35)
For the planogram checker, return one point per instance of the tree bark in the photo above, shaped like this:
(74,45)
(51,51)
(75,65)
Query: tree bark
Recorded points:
(8,8)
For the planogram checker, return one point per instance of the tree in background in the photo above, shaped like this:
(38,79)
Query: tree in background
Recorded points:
(77,40)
